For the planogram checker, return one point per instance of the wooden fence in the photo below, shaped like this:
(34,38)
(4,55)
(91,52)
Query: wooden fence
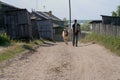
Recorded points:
(106,29)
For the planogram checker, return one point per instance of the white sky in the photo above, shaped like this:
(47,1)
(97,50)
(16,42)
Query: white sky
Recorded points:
(81,9)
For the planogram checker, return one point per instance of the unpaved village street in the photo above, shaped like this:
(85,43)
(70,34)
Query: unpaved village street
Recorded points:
(57,61)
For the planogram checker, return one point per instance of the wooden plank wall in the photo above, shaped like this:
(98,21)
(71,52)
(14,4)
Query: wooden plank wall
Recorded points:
(18,24)
(45,28)
(106,29)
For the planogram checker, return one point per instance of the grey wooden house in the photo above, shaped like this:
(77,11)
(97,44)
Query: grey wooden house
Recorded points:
(48,25)
(4,7)
(108,26)
(18,24)
(15,22)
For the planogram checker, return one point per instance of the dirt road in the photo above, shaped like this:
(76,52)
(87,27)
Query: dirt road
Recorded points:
(64,62)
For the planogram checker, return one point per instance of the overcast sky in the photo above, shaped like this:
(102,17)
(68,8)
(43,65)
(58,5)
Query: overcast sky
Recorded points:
(81,9)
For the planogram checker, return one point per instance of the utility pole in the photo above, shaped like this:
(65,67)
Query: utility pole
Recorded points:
(70,12)
(70,19)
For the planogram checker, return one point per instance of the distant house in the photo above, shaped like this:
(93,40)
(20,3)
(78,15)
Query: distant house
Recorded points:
(96,25)
(109,25)
(48,25)
(15,22)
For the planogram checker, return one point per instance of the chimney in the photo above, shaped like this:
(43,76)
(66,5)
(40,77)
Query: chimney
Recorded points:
(50,13)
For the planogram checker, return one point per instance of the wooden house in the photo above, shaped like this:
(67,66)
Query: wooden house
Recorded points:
(108,26)
(4,7)
(47,24)
(18,24)
(15,22)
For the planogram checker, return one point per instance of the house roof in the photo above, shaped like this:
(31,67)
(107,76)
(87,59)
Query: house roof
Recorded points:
(112,20)
(96,21)
(42,14)
(110,16)
(52,16)
(16,10)
(3,3)
(46,15)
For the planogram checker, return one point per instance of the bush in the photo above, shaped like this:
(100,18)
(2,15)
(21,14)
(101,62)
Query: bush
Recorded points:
(4,39)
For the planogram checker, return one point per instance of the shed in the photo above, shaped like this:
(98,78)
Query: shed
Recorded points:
(18,24)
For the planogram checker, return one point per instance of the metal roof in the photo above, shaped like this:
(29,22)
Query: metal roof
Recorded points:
(43,15)
(96,21)
(110,16)
(52,16)
(46,15)
(112,20)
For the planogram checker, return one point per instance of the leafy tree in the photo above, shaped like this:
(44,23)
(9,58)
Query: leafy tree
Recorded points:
(118,11)
(114,13)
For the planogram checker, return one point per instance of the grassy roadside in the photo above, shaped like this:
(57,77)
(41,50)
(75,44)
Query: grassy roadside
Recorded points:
(17,48)
(110,42)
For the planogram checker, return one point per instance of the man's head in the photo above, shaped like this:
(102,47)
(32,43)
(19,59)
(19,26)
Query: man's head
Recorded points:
(75,20)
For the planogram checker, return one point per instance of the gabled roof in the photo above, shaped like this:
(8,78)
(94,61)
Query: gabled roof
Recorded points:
(46,15)
(52,16)
(37,16)
(3,3)
(42,14)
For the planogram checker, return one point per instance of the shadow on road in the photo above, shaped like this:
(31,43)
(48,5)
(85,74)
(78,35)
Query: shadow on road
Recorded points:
(48,44)
(84,45)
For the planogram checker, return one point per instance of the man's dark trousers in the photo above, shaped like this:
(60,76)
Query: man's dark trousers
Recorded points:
(75,39)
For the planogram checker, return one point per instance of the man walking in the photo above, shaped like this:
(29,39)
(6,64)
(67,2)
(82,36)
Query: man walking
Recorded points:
(76,29)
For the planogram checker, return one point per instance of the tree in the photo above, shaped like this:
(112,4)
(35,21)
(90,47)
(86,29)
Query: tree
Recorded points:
(118,11)
(114,13)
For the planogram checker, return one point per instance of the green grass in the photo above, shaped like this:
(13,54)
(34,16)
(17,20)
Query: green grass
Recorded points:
(110,42)
(11,52)
(18,48)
